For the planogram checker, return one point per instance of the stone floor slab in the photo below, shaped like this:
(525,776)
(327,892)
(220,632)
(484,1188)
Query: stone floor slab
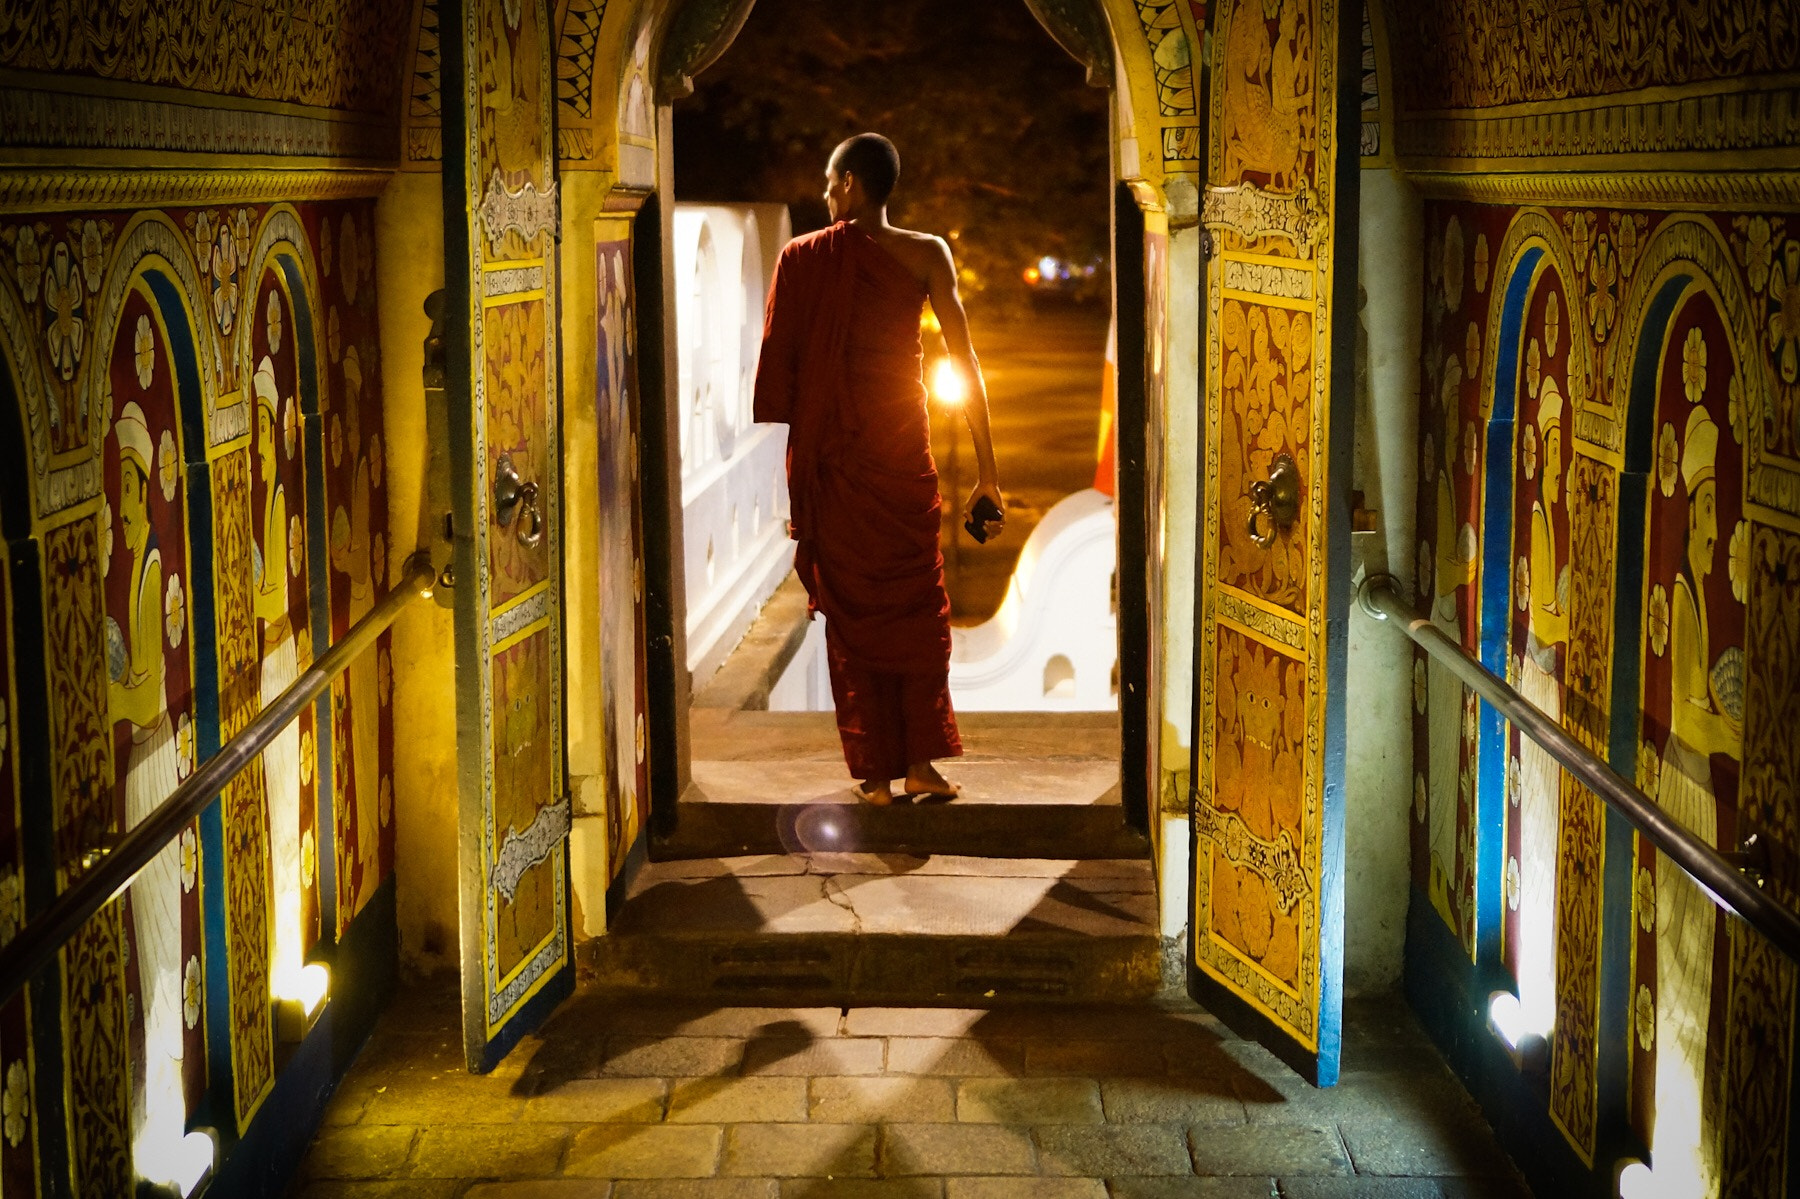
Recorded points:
(361,1151)
(1392,1147)
(800,1150)
(542,1188)
(408,1188)
(599,1101)
(1024,1188)
(882,1100)
(737,1100)
(696,1188)
(489,1151)
(862,1188)
(665,1057)
(801,1056)
(1360,1188)
(644,1151)
(1286,1149)
(1029,1101)
(945,1057)
(911,1021)
(1170,1101)
(1109,1150)
(956,1149)
(1194,1188)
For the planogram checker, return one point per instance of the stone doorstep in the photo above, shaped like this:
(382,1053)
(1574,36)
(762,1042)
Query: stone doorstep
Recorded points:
(992,830)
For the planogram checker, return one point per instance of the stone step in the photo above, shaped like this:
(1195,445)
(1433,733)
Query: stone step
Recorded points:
(850,929)
(1034,785)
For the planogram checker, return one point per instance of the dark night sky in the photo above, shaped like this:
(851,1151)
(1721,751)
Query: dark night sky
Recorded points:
(1002,143)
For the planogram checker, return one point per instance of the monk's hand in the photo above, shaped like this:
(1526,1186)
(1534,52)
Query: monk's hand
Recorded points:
(990,492)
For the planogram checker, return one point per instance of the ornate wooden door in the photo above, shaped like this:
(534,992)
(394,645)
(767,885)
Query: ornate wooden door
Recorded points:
(1271,597)
(500,330)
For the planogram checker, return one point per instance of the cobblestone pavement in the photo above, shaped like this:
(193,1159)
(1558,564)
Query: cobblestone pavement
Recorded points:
(657,1100)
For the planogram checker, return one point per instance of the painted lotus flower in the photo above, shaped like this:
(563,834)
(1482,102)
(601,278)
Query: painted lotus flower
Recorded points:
(387,800)
(1659,620)
(1649,768)
(1512,884)
(1419,686)
(190,858)
(190,992)
(290,425)
(1603,303)
(1644,1013)
(1514,777)
(1668,459)
(1784,312)
(168,465)
(240,233)
(1738,562)
(1420,796)
(204,229)
(17,1113)
(384,676)
(143,344)
(307,756)
(1529,451)
(1425,576)
(296,545)
(106,536)
(66,329)
(1471,447)
(272,320)
(309,858)
(378,561)
(184,746)
(93,254)
(225,289)
(12,904)
(1693,366)
(28,263)
(1552,323)
(1581,236)
(1472,349)
(1522,584)
(1644,892)
(1533,368)
(1758,250)
(174,610)
(1453,265)
(1481,262)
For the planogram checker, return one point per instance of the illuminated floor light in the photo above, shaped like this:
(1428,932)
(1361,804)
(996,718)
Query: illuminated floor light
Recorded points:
(1506,1016)
(179,1165)
(300,996)
(1636,1181)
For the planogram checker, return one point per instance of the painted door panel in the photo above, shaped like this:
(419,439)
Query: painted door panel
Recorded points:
(501,380)
(1267,929)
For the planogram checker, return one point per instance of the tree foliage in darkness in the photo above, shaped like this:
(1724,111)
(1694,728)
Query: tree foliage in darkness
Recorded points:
(1003,146)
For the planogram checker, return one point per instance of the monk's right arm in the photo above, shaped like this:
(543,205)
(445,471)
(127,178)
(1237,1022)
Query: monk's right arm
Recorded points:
(946,302)
(778,366)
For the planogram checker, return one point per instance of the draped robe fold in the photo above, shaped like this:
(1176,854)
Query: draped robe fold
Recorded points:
(840,366)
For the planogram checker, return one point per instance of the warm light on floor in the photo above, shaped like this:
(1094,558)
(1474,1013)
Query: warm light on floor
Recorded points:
(180,1164)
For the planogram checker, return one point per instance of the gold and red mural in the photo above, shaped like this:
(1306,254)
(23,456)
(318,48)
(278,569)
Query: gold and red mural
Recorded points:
(1607,507)
(198,417)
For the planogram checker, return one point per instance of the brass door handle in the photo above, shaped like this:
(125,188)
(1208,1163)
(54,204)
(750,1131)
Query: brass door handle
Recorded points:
(513,497)
(1276,500)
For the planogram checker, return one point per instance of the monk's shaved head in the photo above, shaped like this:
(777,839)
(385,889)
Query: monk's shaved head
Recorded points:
(872,159)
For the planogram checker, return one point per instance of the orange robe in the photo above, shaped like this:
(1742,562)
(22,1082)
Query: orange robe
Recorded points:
(840,366)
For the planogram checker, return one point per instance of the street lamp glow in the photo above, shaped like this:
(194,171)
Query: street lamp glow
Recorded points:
(947,383)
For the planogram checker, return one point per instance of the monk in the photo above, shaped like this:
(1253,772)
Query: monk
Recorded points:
(841,368)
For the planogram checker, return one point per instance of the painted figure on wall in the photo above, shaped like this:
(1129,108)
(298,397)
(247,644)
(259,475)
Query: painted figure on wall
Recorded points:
(276,556)
(1269,95)
(1450,572)
(1692,727)
(155,612)
(1540,631)
(353,555)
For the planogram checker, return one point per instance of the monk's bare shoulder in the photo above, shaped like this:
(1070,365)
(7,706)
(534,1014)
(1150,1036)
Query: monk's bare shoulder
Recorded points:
(926,254)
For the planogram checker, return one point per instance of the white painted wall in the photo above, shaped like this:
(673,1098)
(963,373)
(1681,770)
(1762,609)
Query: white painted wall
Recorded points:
(733,476)
(1378,768)
(1052,645)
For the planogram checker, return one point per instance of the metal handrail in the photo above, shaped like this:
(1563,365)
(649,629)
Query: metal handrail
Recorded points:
(44,935)
(1725,883)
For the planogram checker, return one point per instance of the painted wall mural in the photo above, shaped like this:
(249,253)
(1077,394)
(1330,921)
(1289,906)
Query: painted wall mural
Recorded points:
(623,655)
(1616,418)
(175,370)
(18,1102)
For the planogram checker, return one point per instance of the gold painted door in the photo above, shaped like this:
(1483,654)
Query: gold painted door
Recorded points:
(1271,595)
(501,359)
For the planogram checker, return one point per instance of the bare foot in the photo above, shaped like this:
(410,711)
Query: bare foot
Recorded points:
(923,779)
(878,792)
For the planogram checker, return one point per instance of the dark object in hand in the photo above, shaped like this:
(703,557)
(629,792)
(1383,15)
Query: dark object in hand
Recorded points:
(985,510)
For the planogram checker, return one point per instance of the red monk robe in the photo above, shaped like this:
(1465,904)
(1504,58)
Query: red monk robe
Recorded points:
(841,367)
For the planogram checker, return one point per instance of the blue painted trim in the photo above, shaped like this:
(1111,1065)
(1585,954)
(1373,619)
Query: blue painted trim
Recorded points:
(1496,624)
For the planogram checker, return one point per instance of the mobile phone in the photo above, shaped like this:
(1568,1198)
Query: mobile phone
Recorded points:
(976,525)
